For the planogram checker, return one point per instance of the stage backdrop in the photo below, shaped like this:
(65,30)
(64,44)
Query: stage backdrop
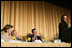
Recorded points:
(26,15)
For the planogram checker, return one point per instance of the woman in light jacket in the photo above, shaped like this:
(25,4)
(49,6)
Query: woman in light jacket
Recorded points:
(7,32)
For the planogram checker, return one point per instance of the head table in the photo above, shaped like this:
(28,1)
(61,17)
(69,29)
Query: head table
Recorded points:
(33,44)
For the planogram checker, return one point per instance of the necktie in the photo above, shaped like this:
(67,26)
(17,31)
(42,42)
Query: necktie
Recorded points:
(36,38)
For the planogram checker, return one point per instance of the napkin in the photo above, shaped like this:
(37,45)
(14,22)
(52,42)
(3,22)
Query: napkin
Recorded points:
(57,41)
(2,40)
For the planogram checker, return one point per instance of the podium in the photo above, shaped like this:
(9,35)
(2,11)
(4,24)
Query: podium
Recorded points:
(66,35)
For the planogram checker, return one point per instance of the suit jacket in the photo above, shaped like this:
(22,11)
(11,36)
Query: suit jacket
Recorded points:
(62,26)
(17,38)
(38,38)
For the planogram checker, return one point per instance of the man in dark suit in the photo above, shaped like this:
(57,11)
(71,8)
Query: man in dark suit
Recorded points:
(62,25)
(63,28)
(34,36)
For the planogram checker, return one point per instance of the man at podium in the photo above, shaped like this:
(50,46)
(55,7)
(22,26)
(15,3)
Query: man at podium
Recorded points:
(64,31)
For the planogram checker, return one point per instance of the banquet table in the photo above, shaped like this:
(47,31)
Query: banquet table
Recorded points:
(24,44)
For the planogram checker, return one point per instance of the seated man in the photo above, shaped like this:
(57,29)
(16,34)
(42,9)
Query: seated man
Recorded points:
(34,36)
(14,34)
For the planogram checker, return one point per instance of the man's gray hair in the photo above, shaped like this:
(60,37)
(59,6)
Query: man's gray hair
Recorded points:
(12,32)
